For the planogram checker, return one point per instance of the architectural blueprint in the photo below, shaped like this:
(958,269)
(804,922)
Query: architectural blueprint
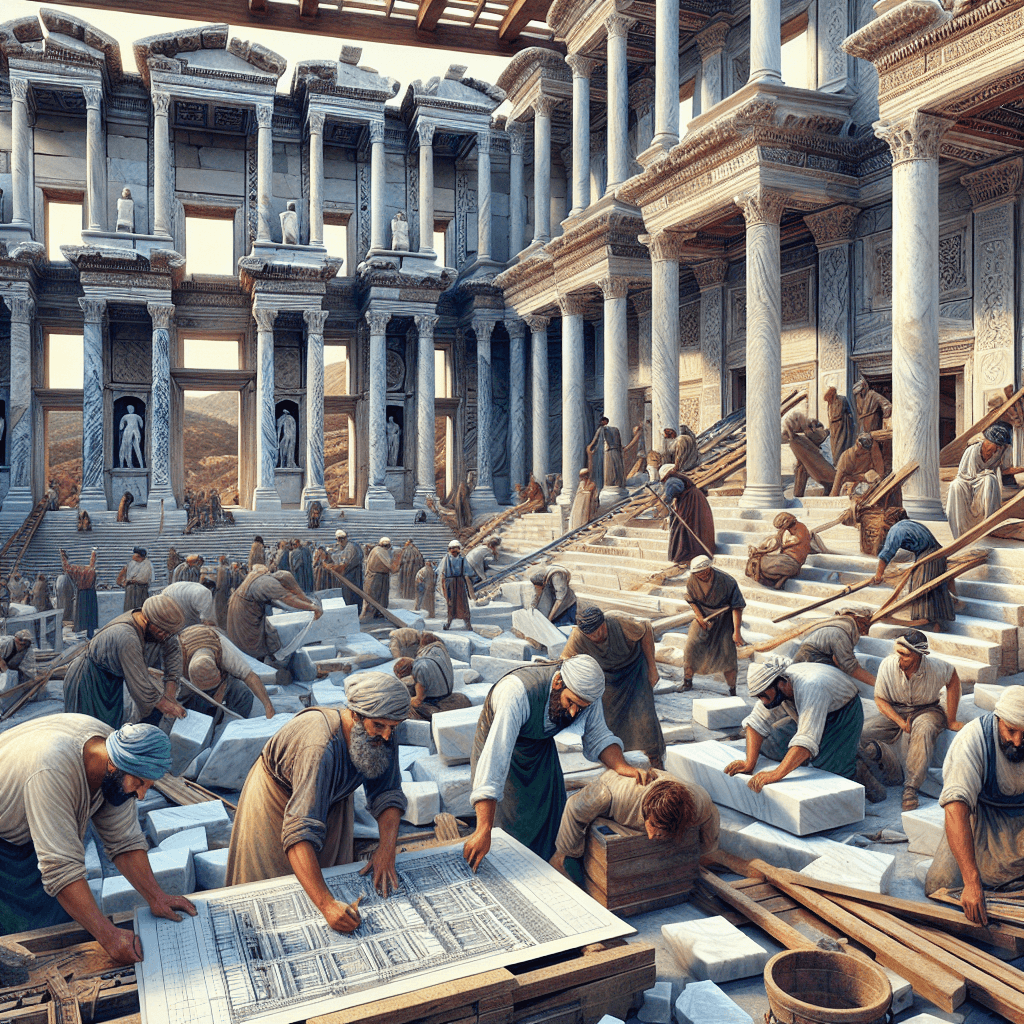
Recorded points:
(262,952)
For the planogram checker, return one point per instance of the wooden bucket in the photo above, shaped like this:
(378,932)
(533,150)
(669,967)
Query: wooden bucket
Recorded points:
(875,523)
(815,986)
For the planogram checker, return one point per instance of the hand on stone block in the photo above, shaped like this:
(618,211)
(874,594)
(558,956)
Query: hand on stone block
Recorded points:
(737,768)
(165,905)
(343,917)
(761,779)
(172,708)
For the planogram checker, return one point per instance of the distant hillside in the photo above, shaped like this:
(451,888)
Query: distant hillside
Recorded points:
(211,449)
(221,405)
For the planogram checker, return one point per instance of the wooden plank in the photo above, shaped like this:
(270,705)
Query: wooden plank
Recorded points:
(951,454)
(593,966)
(893,605)
(990,964)
(429,14)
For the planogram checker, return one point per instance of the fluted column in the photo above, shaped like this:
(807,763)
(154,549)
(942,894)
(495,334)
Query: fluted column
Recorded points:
(95,159)
(265,495)
(162,163)
(664,337)
(582,69)
(542,111)
(516,209)
(914,142)
(264,169)
(539,395)
(765,40)
(762,211)
(316,178)
(618,102)
(666,74)
(616,365)
(426,455)
(425,134)
(21,155)
(314,489)
(378,186)
(19,417)
(516,403)
(482,497)
(377,494)
(573,396)
(711,280)
(159,426)
(711,42)
(92,496)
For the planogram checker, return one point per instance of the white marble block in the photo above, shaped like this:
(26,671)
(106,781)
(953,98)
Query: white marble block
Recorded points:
(931,784)
(453,733)
(902,991)
(93,864)
(609,1019)
(567,742)
(924,828)
(532,624)
(266,673)
(211,869)
(459,644)
(465,677)
(303,663)
(512,647)
(368,649)
(189,735)
(193,839)
(339,619)
(719,712)
(327,693)
(192,771)
(411,619)
(240,744)
(863,869)
(744,837)
(414,733)
(806,801)
(657,1008)
(210,814)
(677,732)
(453,782)
(925,1018)
(173,870)
(703,1002)
(712,949)
(986,695)
(476,693)
(424,802)
(492,669)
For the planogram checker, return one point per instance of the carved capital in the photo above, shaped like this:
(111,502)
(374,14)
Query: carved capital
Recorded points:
(832,226)
(572,305)
(544,106)
(614,287)
(264,319)
(582,67)
(994,184)
(376,129)
(711,40)
(483,329)
(425,133)
(315,319)
(264,114)
(425,324)
(161,103)
(516,132)
(666,245)
(537,324)
(161,315)
(19,90)
(710,274)
(641,302)
(93,310)
(22,309)
(915,137)
(761,206)
(378,321)
(93,96)
(516,329)
(618,27)
(316,122)
(483,142)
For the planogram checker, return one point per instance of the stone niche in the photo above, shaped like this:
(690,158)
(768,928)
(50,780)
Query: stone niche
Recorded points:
(129,470)
(288,475)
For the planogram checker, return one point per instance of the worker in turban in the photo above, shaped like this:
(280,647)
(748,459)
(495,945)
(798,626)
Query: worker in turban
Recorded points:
(977,490)
(517,780)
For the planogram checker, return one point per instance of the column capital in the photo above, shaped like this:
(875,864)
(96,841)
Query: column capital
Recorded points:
(665,245)
(93,96)
(425,324)
(516,329)
(483,141)
(162,315)
(483,329)
(376,129)
(641,302)
(316,122)
(161,103)
(264,114)
(22,308)
(544,106)
(93,309)
(377,320)
(761,205)
(617,26)
(832,226)
(537,323)
(710,274)
(614,287)
(315,319)
(711,39)
(19,89)
(994,184)
(582,67)
(425,133)
(914,137)
(516,132)
(264,318)
(572,305)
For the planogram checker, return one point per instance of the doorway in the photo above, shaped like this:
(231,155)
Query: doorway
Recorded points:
(62,429)
(210,427)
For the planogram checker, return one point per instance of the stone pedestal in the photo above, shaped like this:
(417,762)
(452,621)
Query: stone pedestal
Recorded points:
(93,497)
(134,480)
(288,486)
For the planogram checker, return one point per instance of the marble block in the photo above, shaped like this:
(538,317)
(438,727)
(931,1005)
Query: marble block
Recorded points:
(657,1008)
(924,828)
(414,733)
(424,802)
(189,735)
(459,644)
(921,869)
(8,679)
(532,624)
(806,801)
(173,870)
(703,1002)
(327,693)
(476,693)
(210,814)
(925,1018)
(453,733)
(193,770)
(569,742)
(193,839)
(677,732)
(492,669)
(237,749)
(152,801)
(370,651)
(902,991)
(465,677)
(712,949)
(986,695)
(863,869)
(609,1019)
(266,673)
(407,755)
(744,837)
(211,869)
(453,782)
(411,619)
(339,619)
(719,712)
(512,647)
(304,661)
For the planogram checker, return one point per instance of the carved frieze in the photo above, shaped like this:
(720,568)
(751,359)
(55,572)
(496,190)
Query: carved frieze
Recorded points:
(994,184)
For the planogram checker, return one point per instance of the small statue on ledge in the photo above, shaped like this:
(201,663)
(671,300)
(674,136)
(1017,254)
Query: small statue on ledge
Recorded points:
(125,212)
(399,233)
(290,225)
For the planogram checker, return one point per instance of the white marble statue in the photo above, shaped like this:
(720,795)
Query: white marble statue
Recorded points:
(286,439)
(126,212)
(399,233)
(290,225)
(394,441)
(131,440)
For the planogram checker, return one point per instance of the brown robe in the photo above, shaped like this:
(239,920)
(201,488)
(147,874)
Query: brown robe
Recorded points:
(713,649)
(692,507)
(856,461)
(411,562)
(377,579)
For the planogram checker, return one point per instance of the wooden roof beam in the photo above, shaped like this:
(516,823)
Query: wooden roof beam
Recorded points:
(429,14)
(308,8)
(519,14)
(257,6)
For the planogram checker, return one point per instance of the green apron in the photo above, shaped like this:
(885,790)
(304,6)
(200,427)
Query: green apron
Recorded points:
(24,903)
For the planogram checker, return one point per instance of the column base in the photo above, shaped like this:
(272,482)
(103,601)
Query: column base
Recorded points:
(610,495)
(920,507)
(379,498)
(14,233)
(165,494)
(313,493)
(266,499)
(18,499)
(763,496)
(482,501)
(657,150)
(93,499)
(419,499)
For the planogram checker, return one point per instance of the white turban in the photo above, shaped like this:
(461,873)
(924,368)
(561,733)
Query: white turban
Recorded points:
(700,562)
(377,695)
(1010,707)
(761,677)
(583,676)
(202,669)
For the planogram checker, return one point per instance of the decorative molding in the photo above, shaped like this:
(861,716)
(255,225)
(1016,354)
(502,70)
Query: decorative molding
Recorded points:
(800,372)
(483,329)
(316,122)
(516,329)
(425,133)
(517,134)
(761,206)
(425,325)
(994,184)
(544,106)
(161,315)
(711,40)
(618,27)
(376,129)
(161,103)
(19,90)
(710,274)
(572,305)
(483,141)
(315,319)
(264,115)
(641,303)
(915,137)
(832,226)
(614,287)
(377,320)
(93,309)
(582,67)
(537,324)
(93,96)
(264,319)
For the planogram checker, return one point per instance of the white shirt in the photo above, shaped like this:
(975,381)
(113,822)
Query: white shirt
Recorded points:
(195,601)
(925,686)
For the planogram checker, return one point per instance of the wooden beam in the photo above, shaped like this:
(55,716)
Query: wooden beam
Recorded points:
(308,8)
(519,14)
(257,6)
(950,455)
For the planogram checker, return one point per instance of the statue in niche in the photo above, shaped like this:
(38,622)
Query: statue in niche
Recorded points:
(290,225)
(394,432)
(286,440)
(399,233)
(131,440)
(126,212)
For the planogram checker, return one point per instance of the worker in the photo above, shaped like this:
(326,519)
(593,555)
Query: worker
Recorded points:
(976,492)
(832,641)
(248,628)
(195,601)
(712,638)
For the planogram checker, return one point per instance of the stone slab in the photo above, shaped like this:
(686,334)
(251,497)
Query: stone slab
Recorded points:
(411,619)
(93,864)
(924,827)
(568,742)
(424,802)
(459,644)
(193,839)
(712,949)
(677,732)
(339,619)
(210,815)
(986,695)
(492,669)
(902,991)
(266,673)
(189,735)
(476,693)
(465,676)
(453,733)
(703,1002)
(806,801)
(743,836)
(173,870)
(237,749)
(370,650)
(211,869)
(327,693)
(925,1018)
(152,801)
(532,624)
(406,757)
(657,1008)
(863,869)
(414,733)
(453,783)
(512,647)
(193,770)
(304,661)
(719,712)
(609,1019)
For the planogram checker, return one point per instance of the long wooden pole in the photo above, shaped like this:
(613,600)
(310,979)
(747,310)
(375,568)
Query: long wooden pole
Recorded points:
(373,604)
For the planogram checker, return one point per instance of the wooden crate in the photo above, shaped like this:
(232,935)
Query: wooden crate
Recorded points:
(631,874)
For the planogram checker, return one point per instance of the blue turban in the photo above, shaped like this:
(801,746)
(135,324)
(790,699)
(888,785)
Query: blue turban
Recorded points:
(140,750)
(999,433)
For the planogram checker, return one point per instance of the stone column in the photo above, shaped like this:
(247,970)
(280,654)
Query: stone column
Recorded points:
(162,164)
(914,142)
(573,396)
(95,159)
(93,496)
(765,41)
(542,111)
(19,410)
(378,186)
(666,74)
(618,102)
(316,178)
(483,195)
(425,133)
(516,209)
(616,365)
(21,156)
(264,169)
(159,425)
(833,231)
(265,495)
(711,42)
(426,454)
(482,497)
(762,210)
(516,404)
(642,308)
(377,494)
(314,489)
(582,68)
(539,395)
(598,165)
(664,337)
(711,280)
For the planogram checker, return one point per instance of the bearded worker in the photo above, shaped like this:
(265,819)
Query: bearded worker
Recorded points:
(624,648)
(856,462)
(982,847)
(58,773)
(295,814)
(248,628)
(517,780)
(211,662)
(711,642)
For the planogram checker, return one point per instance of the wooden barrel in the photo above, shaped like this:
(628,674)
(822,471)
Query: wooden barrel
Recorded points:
(815,986)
